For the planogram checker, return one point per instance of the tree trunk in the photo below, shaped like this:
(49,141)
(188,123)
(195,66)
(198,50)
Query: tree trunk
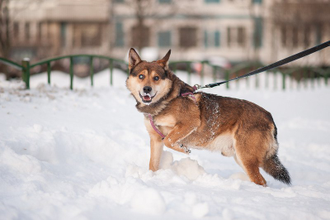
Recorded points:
(5,42)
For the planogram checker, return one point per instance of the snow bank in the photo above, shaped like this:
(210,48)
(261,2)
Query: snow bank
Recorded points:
(84,154)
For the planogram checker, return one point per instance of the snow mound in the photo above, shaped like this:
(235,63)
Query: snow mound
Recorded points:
(84,154)
(148,201)
(185,167)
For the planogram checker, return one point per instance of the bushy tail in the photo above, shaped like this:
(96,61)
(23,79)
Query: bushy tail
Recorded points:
(273,166)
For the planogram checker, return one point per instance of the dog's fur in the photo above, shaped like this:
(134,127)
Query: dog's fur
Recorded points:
(231,126)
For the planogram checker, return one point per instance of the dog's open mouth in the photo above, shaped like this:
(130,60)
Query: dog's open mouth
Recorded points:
(146,97)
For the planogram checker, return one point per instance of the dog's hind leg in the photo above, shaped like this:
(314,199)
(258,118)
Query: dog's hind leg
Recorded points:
(250,164)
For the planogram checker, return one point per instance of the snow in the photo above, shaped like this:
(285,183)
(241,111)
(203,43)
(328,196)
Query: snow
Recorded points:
(84,154)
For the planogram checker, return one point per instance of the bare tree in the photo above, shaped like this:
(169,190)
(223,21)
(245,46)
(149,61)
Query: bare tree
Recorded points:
(5,32)
(256,15)
(9,8)
(298,17)
(140,31)
(6,25)
(143,10)
(301,11)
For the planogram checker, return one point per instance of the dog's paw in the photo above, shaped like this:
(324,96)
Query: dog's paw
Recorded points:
(185,149)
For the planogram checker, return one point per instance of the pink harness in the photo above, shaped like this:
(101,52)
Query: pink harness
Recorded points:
(154,126)
(190,94)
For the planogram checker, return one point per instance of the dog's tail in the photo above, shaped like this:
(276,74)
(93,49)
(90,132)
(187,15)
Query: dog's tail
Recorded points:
(275,168)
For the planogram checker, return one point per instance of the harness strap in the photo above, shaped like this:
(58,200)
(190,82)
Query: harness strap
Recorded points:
(154,126)
(191,95)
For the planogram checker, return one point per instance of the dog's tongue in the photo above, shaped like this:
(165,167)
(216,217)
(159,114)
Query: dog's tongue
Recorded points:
(147,98)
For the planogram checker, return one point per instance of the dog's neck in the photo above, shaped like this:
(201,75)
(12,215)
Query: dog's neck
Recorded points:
(178,87)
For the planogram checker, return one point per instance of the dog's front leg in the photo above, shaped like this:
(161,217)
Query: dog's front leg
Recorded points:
(156,146)
(156,150)
(177,134)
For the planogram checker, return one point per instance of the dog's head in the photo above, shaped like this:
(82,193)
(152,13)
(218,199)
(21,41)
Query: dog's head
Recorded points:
(148,81)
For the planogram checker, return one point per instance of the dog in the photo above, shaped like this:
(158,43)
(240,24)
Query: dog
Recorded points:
(179,118)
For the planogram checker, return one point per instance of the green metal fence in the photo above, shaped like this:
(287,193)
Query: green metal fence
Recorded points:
(300,74)
(27,66)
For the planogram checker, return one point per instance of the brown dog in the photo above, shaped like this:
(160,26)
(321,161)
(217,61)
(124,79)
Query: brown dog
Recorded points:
(203,121)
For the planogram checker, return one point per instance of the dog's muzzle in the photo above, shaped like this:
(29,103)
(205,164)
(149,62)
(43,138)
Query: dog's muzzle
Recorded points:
(146,97)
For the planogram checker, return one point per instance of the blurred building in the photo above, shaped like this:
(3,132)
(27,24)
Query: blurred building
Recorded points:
(239,30)
(265,30)
(45,28)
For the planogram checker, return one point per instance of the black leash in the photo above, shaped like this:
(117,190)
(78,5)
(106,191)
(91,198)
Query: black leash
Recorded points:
(273,65)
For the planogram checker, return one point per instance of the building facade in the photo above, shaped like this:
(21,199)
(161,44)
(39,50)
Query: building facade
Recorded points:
(57,27)
(238,30)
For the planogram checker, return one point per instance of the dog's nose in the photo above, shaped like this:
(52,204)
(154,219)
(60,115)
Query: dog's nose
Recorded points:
(147,89)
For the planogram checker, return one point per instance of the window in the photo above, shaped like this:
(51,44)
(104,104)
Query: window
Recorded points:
(236,36)
(119,1)
(119,36)
(39,31)
(211,39)
(164,1)
(283,36)
(257,35)
(206,39)
(27,31)
(91,36)
(241,36)
(217,38)
(257,1)
(140,36)
(164,39)
(63,34)
(318,34)
(85,35)
(188,37)
(307,36)
(212,1)
(295,37)
(16,30)
(229,36)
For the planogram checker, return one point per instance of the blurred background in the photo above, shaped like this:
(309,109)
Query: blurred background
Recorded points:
(222,32)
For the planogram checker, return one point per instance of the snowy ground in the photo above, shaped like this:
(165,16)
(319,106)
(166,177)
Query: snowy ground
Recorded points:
(84,154)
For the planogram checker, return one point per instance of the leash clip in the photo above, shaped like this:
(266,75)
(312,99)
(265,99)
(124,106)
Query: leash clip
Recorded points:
(197,87)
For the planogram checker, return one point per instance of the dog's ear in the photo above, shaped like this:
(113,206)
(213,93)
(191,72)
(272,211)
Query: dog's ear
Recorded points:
(133,58)
(164,61)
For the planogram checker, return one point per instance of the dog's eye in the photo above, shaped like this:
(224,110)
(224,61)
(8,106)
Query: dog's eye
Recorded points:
(156,78)
(141,76)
